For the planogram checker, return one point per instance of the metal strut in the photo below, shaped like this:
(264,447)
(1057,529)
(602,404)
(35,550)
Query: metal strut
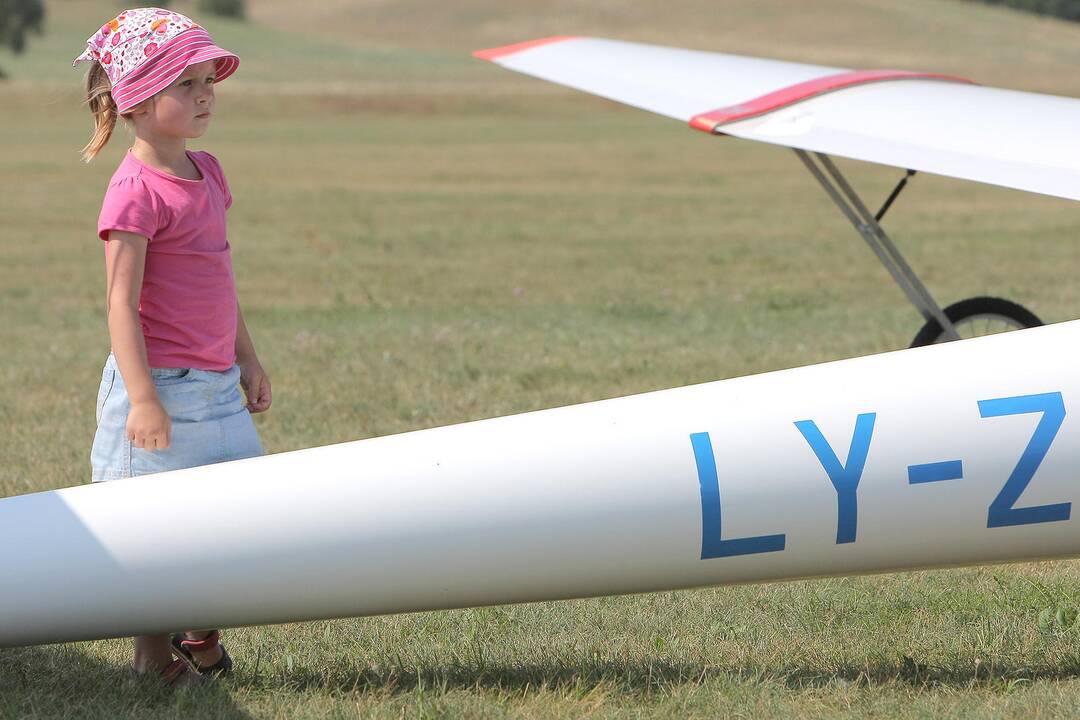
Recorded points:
(867,224)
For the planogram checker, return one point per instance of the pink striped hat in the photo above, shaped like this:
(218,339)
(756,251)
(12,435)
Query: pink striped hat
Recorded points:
(145,49)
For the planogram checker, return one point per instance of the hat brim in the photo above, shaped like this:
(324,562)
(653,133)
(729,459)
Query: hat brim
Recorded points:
(227,62)
(169,63)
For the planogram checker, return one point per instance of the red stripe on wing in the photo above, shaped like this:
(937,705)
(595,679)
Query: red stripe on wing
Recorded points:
(505,50)
(710,121)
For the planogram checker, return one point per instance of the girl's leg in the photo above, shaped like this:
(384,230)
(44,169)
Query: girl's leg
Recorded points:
(152,653)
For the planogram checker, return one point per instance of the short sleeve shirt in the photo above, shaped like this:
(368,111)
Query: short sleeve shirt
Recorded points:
(187,307)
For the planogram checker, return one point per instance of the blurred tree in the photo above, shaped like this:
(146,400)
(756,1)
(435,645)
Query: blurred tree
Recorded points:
(224,8)
(17,17)
(1066,9)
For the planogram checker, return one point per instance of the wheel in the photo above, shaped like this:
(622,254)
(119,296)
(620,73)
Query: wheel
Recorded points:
(978,316)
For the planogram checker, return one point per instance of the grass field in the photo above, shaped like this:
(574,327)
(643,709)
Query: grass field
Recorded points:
(421,238)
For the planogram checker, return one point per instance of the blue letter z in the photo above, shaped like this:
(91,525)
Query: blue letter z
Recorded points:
(1002,513)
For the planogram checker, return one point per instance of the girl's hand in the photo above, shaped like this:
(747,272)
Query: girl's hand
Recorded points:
(256,386)
(149,426)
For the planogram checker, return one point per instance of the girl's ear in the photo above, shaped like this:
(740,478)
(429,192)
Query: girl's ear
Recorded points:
(141,110)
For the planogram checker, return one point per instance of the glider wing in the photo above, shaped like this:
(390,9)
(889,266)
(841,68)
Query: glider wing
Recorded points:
(921,121)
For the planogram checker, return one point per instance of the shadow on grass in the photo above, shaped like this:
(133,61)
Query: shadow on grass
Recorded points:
(644,676)
(910,671)
(62,681)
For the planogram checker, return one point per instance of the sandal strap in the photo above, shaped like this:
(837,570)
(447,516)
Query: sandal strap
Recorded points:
(207,643)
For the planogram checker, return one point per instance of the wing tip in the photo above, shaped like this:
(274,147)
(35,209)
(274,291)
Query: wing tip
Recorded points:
(493,54)
(703,123)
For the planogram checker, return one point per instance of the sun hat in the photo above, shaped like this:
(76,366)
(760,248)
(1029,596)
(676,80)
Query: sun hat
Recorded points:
(143,50)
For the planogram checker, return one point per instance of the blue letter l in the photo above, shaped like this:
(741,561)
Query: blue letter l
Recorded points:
(712,546)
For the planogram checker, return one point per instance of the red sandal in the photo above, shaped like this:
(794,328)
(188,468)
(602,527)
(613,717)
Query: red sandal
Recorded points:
(180,672)
(184,648)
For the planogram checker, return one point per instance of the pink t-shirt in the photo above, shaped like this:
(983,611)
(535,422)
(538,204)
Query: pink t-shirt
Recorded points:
(187,307)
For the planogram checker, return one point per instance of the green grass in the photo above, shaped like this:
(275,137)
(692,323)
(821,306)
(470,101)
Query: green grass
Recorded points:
(422,239)
(940,645)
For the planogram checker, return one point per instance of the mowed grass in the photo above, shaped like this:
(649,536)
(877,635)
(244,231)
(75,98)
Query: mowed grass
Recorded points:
(422,239)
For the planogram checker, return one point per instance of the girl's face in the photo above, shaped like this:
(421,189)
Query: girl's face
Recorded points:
(184,108)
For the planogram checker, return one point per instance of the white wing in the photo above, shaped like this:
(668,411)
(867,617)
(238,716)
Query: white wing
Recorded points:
(926,122)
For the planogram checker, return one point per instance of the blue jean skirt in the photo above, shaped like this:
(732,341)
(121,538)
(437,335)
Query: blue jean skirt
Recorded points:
(210,423)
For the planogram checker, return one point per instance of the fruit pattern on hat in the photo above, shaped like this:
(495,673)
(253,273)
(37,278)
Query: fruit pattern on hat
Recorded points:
(132,38)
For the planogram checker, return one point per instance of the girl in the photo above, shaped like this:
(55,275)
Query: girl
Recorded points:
(169,395)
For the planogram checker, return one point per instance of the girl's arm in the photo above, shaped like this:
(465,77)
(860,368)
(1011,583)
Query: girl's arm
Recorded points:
(253,378)
(148,425)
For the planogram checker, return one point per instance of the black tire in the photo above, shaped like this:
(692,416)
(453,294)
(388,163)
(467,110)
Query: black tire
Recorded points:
(968,316)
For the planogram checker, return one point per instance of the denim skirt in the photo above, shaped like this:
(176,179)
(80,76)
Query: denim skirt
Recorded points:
(210,423)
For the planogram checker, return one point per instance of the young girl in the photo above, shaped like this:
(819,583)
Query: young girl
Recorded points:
(169,395)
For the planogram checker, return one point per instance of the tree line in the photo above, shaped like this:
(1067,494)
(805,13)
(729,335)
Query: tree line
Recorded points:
(1066,9)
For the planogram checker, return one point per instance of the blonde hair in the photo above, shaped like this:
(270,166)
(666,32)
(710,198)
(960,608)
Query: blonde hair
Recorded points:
(103,108)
